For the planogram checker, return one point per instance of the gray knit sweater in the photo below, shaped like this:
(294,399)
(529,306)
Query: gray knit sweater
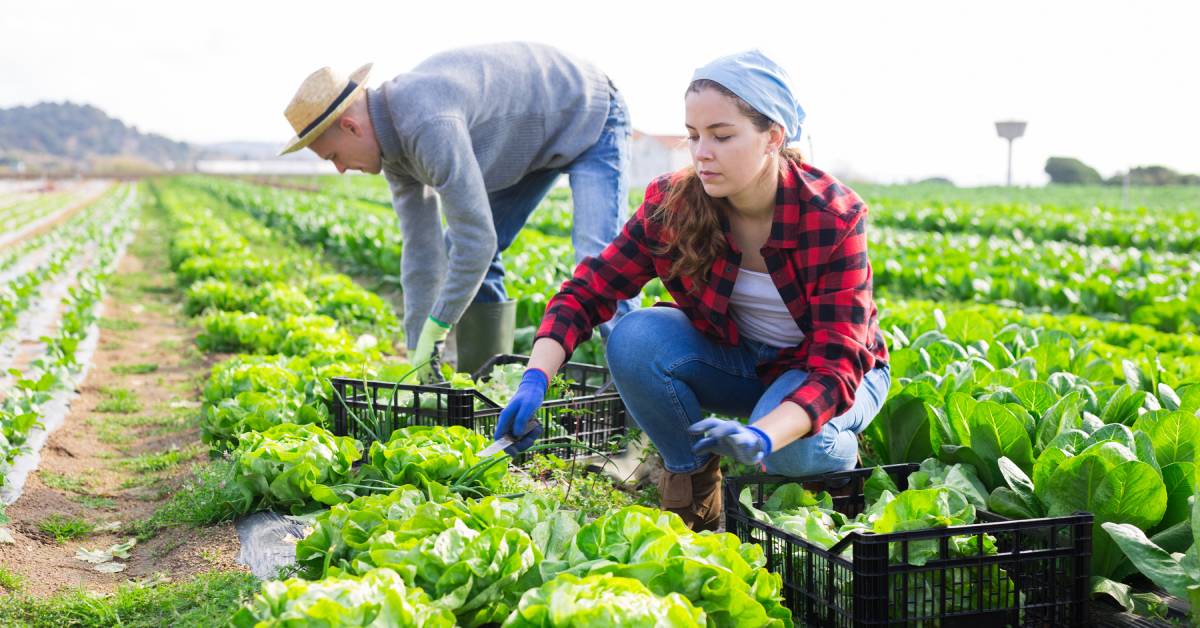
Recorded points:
(464,123)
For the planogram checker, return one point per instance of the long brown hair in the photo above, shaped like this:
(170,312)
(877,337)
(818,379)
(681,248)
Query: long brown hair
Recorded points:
(690,217)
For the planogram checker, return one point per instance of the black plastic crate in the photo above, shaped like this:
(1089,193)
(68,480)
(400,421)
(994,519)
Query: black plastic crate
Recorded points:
(590,413)
(1047,560)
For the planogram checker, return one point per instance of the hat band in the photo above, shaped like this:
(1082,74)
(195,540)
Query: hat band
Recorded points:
(333,105)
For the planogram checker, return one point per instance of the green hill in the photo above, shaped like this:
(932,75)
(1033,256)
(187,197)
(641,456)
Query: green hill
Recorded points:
(70,135)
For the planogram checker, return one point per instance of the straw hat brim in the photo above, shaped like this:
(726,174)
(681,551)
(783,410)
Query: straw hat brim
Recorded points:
(300,141)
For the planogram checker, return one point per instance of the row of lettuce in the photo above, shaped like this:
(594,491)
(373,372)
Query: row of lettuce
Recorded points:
(291,325)
(57,248)
(1149,218)
(420,555)
(1160,218)
(364,236)
(1142,286)
(98,234)
(1048,425)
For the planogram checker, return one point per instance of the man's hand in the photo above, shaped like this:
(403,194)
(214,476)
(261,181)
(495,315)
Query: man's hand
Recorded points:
(427,357)
(514,418)
(745,443)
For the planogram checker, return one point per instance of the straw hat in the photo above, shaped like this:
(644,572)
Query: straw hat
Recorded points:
(321,99)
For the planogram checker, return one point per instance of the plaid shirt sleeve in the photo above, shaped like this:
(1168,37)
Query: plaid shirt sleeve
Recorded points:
(840,302)
(590,296)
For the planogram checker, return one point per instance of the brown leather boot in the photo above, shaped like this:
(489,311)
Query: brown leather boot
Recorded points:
(695,496)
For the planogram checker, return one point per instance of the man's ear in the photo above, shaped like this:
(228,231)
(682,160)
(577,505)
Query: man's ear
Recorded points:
(350,125)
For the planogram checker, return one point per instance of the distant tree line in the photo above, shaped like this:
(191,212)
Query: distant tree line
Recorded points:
(82,132)
(1071,170)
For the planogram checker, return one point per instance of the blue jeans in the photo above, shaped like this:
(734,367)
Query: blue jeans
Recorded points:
(669,375)
(600,193)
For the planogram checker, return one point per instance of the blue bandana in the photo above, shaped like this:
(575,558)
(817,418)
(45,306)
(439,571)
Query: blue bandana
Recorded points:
(762,84)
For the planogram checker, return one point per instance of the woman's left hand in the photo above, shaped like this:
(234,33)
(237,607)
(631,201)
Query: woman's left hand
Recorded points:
(745,443)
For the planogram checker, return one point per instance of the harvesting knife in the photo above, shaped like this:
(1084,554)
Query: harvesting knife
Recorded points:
(506,441)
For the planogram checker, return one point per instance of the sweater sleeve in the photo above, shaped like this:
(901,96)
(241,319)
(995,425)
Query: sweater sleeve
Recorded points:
(423,258)
(443,151)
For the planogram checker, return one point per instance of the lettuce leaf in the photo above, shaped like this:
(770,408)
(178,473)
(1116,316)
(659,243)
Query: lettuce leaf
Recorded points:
(293,466)
(602,599)
(378,598)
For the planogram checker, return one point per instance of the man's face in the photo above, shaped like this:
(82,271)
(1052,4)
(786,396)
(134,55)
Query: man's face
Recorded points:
(349,146)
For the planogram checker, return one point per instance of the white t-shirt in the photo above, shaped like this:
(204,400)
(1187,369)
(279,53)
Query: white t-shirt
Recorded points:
(759,312)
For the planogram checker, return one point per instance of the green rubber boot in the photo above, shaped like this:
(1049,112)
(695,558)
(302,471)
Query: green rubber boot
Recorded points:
(485,330)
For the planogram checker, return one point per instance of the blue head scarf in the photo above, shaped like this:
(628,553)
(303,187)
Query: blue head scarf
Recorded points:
(762,84)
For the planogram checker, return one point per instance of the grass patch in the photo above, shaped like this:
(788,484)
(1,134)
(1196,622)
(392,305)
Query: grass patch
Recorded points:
(192,356)
(11,582)
(207,600)
(208,498)
(95,503)
(118,324)
(142,421)
(112,434)
(157,306)
(138,481)
(130,281)
(63,482)
(135,369)
(122,429)
(153,495)
(164,289)
(149,463)
(118,400)
(64,528)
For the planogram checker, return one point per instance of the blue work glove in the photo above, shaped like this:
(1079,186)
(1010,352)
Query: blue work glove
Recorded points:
(514,418)
(745,443)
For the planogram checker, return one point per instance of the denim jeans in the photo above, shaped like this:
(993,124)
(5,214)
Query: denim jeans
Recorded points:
(670,375)
(599,181)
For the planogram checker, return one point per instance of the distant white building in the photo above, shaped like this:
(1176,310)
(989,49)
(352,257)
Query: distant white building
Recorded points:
(265,166)
(655,155)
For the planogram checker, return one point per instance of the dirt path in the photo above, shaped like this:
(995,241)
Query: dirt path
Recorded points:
(126,446)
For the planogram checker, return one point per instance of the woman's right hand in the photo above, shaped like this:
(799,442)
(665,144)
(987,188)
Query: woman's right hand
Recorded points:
(547,357)
(515,417)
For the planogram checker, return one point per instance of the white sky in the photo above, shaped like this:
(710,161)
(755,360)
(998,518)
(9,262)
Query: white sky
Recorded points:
(894,90)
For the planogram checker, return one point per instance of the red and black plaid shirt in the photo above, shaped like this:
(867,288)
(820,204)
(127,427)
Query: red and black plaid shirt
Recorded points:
(817,257)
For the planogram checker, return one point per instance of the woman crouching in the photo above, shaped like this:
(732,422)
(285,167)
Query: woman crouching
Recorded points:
(774,320)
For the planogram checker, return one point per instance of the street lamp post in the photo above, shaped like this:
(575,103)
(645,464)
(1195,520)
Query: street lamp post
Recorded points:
(1010,130)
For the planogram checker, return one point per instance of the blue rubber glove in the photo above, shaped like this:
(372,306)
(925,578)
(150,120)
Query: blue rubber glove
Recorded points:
(514,418)
(745,443)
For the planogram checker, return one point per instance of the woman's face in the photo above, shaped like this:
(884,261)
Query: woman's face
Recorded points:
(728,151)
